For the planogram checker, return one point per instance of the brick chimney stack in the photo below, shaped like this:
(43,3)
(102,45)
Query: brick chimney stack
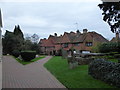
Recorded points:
(55,34)
(117,36)
(85,30)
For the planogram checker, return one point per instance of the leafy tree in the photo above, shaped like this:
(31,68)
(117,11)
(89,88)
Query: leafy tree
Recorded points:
(111,15)
(19,38)
(18,32)
(13,40)
(8,42)
(30,43)
(35,38)
(35,47)
(109,47)
(27,45)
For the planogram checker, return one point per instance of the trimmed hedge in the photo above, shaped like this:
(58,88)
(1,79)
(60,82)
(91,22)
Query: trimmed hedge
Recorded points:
(117,55)
(109,47)
(28,55)
(106,71)
(16,53)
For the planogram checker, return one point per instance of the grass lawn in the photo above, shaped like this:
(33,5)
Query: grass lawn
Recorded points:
(109,58)
(33,60)
(113,60)
(73,78)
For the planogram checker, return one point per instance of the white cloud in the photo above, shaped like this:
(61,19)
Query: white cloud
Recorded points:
(47,18)
(110,0)
(50,0)
(27,21)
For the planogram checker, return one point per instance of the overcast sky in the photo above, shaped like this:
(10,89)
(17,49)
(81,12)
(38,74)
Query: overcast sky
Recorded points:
(45,18)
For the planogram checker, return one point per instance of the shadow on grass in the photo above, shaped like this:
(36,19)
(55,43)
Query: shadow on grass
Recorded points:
(28,62)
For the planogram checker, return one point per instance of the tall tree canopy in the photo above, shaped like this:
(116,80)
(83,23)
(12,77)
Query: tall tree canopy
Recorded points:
(18,32)
(8,42)
(13,40)
(111,15)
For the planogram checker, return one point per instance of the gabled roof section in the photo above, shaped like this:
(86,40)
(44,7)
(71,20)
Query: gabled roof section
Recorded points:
(58,39)
(46,43)
(79,38)
(114,39)
(73,37)
(68,37)
(97,37)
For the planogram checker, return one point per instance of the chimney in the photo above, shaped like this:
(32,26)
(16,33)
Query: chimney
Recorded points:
(77,31)
(55,34)
(85,30)
(117,36)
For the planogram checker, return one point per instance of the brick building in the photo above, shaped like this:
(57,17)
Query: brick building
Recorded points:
(81,42)
(116,38)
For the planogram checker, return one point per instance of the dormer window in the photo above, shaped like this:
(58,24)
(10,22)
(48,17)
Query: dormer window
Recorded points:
(89,44)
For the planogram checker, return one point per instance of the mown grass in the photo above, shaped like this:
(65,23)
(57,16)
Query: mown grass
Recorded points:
(73,78)
(109,58)
(28,62)
(113,60)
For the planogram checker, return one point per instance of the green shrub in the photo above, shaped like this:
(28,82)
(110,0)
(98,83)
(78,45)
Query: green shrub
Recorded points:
(113,53)
(95,49)
(28,55)
(113,77)
(110,57)
(106,71)
(16,53)
(109,47)
(117,55)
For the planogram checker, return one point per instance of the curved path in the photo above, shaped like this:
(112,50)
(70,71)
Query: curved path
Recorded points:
(34,75)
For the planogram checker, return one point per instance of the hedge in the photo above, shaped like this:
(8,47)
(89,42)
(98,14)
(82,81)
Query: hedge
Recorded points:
(106,71)
(16,53)
(28,55)
(109,47)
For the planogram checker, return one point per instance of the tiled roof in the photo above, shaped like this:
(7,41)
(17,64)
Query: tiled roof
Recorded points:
(98,37)
(94,35)
(79,38)
(68,37)
(58,39)
(46,43)
(114,39)
(72,37)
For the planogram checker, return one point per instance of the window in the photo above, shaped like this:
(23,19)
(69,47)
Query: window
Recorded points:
(89,44)
(76,44)
(65,45)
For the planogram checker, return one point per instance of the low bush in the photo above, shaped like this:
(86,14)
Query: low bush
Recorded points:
(28,55)
(113,77)
(117,55)
(109,47)
(106,71)
(16,53)
(113,53)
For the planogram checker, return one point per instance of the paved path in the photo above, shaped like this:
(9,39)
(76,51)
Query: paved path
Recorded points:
(33,75)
